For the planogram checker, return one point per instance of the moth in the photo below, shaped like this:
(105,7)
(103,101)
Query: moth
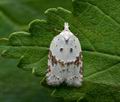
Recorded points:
(65,60)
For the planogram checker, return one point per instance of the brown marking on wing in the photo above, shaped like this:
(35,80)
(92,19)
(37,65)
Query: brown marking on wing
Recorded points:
(61,63)
(54,61)
(52,58)
(69,63)
(77,61)
(49,69)
(81,71)
(49,54)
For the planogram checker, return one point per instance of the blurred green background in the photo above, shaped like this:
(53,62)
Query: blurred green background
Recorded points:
(17,85)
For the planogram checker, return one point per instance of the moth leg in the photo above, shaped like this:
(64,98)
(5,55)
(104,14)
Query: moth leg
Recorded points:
(53,77)
(74,77)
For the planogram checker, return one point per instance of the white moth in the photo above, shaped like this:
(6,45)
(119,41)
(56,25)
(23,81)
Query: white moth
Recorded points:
(65,60)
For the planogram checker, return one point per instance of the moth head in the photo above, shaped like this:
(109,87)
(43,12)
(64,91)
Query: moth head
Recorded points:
(66,33)
(66,26)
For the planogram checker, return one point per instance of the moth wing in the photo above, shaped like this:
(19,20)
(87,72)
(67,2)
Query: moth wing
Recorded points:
(74,49)
(58,47)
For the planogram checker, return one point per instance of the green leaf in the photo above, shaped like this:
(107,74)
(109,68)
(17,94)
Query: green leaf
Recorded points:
(16,14)
(99,35)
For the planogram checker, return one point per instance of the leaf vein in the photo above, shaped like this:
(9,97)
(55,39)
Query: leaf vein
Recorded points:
(113,19)
(87,77)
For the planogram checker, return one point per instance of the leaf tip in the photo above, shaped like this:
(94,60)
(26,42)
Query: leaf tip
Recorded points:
(3,54)
(50,9)
(4,41)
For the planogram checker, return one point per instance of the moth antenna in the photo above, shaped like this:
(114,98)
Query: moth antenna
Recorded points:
(66,26)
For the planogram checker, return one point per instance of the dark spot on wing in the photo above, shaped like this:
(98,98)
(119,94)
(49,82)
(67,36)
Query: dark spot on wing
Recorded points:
(67,41)
(61,49)
(71,50)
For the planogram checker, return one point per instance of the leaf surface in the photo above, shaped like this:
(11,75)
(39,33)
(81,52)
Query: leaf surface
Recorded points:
(99,35)
(16,14)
